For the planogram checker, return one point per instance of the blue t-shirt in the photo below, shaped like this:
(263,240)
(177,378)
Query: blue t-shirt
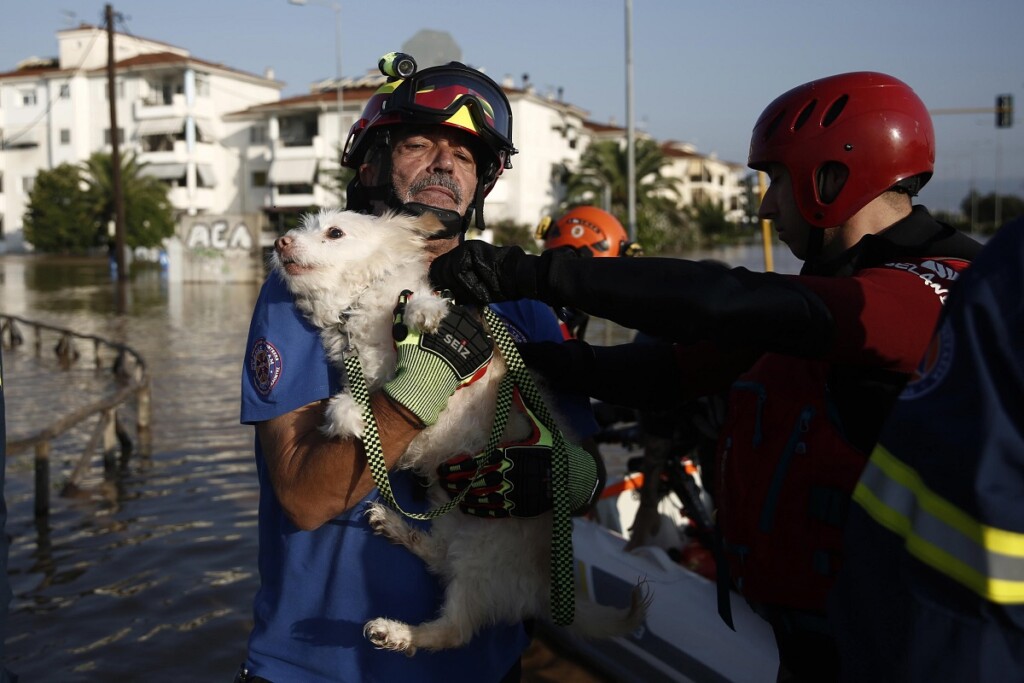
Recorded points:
(318,588)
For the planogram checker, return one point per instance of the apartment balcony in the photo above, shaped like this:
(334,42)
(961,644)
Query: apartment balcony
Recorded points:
(299,201)
(203,153)
(316,147)
(202,200)
(155,107)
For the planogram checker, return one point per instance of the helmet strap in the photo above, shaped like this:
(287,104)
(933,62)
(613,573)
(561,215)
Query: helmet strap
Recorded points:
(454,224)
(815,243)
(477,206)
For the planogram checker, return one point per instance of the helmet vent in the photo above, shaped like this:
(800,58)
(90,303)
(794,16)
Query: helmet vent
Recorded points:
(805,114)
(770,130)
(834,111)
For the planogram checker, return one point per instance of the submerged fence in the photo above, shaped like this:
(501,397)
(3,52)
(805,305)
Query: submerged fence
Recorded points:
(108,435)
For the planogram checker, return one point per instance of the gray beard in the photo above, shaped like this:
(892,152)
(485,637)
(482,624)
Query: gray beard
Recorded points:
(438,179)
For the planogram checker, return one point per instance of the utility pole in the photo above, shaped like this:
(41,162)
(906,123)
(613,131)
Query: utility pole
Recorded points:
(630,129)
(115,152)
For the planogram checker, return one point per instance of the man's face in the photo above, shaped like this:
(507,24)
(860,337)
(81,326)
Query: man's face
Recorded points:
(779,206)
(432,165)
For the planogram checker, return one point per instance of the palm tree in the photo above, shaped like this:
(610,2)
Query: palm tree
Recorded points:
(149,217)
(661,225)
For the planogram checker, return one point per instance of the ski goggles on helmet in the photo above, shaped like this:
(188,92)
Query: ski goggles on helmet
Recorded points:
(458,96)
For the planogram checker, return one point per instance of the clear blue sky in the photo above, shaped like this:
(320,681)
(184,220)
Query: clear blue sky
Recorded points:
(702,71)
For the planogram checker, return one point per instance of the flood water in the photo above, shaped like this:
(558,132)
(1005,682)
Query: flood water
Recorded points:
(147,575)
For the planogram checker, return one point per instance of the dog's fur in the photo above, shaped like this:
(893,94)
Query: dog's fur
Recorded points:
(344,264)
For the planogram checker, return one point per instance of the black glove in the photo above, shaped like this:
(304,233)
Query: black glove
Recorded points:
(478,272)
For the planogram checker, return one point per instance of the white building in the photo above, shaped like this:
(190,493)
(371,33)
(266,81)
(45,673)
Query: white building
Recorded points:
(708,178)
(294,148)
(170,110)
(227,144)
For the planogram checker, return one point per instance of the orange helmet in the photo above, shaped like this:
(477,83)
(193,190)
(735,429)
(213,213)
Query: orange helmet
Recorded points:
(590,228)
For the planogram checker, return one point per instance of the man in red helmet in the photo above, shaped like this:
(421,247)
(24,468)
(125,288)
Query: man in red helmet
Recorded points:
(812,362)
(430,141)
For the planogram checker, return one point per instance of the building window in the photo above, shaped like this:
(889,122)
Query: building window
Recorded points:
(28,98)
(258,134)
(106,135)
(295,188)
(27,183)
(203,85)
(259,179)
(120,90)
(65,91)
(65,136)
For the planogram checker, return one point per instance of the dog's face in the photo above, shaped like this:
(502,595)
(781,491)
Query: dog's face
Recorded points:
(332,247)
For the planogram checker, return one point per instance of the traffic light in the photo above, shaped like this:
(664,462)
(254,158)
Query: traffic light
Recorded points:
(1004,111)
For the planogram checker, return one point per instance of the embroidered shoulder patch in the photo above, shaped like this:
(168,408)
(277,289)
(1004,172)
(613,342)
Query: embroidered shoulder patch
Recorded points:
(264,365)
(934,366)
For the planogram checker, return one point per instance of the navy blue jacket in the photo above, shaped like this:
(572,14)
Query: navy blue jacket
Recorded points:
(933,582)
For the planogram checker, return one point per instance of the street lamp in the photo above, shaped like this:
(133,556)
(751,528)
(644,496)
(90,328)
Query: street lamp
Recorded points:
(336,7)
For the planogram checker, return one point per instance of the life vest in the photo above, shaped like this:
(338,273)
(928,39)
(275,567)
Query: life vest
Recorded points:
(785,477)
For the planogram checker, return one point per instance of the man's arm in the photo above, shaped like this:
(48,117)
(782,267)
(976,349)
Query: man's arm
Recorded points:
(675,299)
(316,478)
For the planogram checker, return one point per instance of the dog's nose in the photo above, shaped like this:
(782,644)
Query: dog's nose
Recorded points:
(282,243)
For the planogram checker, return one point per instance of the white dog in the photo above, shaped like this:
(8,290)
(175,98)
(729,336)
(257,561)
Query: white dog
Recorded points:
(345,265)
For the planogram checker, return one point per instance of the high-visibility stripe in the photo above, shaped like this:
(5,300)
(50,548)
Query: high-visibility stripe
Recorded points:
(985,559)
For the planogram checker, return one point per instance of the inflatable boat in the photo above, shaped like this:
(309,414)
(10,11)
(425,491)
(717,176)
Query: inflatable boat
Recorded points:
(683,638)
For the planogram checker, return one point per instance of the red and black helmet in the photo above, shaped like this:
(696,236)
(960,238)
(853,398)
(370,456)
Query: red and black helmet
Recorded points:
(871,123)
(451,95)
(587,227)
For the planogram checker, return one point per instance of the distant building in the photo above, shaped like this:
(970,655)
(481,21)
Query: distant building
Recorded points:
(706,178)
(227,143)
(170,109)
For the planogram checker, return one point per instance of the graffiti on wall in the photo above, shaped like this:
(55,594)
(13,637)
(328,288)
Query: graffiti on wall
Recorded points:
(219,234)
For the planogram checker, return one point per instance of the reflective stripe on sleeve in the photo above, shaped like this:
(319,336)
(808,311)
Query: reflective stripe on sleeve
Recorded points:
(984,559)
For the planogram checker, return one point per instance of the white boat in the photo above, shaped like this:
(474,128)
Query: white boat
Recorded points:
(683,638)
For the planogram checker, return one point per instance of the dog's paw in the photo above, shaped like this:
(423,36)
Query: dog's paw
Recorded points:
(426,312)
(343,417)
(387,523)
(386,634)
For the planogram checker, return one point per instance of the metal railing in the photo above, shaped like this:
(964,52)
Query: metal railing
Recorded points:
(129,370)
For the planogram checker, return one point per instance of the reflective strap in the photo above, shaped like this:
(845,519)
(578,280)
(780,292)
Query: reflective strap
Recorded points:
(984,559)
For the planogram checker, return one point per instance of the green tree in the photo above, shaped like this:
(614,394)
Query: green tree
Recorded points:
(661,225)
(709,218)
(59,217)
(336,180)
(149,217)
(984,209)
(508,233)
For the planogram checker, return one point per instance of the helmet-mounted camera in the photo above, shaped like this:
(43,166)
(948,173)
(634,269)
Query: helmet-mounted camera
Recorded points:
(397,65)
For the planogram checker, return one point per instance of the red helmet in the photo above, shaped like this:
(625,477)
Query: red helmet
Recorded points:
(590,228)
(871,123)
(450,95)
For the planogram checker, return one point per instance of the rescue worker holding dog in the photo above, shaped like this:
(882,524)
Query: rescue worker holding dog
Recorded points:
(431,141)
(812,362)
